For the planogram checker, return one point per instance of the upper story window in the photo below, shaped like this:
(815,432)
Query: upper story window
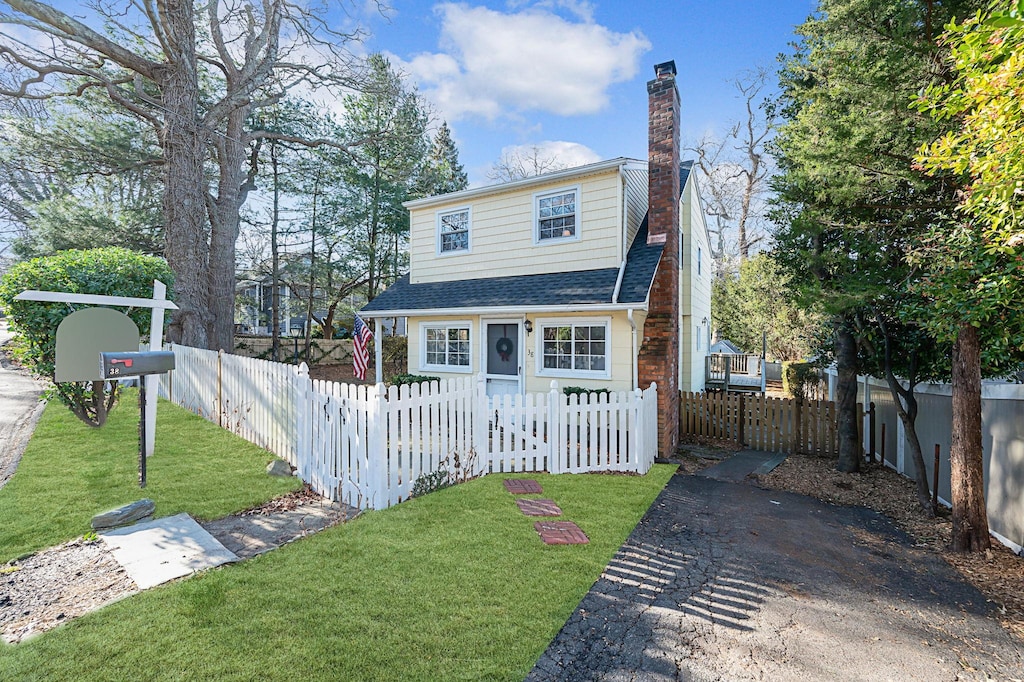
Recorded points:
(556,215)
(453,231)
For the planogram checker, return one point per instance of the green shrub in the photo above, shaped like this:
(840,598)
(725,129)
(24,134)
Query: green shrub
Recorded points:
(580,390)
(796,376)
(462,470)
(109,272)
(428,483)
(402,379)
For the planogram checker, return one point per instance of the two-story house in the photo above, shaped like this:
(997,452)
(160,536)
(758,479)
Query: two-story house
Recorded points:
(597,276)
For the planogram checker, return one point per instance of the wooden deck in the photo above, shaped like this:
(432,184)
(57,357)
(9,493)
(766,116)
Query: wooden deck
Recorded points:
(723,372)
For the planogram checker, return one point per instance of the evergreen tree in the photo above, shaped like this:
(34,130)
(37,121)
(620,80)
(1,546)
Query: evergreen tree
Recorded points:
(851,201)
(443,173)
(382,173)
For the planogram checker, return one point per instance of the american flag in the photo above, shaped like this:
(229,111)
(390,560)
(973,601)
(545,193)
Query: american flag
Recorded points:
(360,348)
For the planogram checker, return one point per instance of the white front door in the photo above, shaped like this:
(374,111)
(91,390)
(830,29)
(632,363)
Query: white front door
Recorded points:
(503,356)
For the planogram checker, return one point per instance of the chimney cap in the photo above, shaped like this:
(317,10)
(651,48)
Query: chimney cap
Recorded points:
(665,68)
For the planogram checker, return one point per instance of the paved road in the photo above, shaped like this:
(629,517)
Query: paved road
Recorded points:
(19,410)
(725,581)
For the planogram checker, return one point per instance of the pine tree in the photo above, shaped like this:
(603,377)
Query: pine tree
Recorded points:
(444,173)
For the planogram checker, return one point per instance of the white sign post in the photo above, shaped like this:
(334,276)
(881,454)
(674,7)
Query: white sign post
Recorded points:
(158,304)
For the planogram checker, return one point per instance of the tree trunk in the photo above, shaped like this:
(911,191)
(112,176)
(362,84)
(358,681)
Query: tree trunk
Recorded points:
(308,341)
(224,218)
(970,518)
(909,418)
(846,399)
(275,260)
(184,207)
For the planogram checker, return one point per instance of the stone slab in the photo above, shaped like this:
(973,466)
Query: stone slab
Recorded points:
(532,507)
(561,533)
(522,486)
(250,534)
(163,549)
(738,467)
(124,515)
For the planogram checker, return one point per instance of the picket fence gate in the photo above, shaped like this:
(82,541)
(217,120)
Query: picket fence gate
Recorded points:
(763,423)
(368,445)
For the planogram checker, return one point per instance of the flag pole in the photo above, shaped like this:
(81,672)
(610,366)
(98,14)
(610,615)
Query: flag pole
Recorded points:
(378,354)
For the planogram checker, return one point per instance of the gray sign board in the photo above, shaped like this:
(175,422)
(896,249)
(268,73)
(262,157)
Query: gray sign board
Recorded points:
(84,334)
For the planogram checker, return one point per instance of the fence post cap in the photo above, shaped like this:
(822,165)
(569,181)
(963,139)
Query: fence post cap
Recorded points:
(554,385)
(654,385)
(303,370)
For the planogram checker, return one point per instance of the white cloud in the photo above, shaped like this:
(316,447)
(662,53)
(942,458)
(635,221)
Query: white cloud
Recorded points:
(495,64)
(567,154)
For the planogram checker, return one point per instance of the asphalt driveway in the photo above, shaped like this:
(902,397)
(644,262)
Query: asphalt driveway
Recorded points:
(726,581)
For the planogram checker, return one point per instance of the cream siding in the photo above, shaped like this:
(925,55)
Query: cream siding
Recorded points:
(619,351)
(502,233)
(415,360)
(694,290)
(635,178)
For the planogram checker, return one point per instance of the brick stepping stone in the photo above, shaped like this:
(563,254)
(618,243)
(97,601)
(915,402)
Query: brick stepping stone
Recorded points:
(538,507)
(561,533)
(522,486)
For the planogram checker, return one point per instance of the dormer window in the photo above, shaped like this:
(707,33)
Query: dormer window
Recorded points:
(556,215)
(453,231)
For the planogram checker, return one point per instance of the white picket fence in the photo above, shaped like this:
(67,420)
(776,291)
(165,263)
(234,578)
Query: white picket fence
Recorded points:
(367,445)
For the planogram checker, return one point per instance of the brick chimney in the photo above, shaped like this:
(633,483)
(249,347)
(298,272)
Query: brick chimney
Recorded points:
(659,354)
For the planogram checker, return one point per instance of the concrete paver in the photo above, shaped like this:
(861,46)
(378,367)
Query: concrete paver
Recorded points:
(154,552)
(726,581)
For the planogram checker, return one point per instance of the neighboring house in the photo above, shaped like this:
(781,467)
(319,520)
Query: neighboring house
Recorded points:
(725,347)
(597,276)
(253,310)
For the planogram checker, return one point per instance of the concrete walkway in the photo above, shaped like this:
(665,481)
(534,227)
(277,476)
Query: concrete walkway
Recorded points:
(19,410)
(726,581)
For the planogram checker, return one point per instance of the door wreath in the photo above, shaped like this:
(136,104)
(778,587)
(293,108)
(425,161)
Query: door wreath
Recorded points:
(504,346)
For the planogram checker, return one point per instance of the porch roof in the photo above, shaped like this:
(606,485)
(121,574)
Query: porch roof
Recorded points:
(585,288)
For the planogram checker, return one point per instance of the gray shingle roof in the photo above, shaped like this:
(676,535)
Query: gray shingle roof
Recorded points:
(577,288)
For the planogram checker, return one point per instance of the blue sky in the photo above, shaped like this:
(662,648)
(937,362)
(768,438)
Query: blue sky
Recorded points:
(574,72)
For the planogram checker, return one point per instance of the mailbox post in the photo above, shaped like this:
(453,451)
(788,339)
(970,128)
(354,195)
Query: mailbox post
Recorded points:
(139,364)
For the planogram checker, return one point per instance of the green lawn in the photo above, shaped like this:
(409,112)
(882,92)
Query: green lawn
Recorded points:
(455,585)
(71,472)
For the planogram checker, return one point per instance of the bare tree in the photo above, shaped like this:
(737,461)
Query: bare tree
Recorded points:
(154,59)
(524,163)
(735,170)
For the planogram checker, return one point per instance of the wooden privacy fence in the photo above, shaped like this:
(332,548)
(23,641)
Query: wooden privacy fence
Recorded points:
(763,423)
(367,445)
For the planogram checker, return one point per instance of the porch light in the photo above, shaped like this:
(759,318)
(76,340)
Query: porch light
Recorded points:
(528,326)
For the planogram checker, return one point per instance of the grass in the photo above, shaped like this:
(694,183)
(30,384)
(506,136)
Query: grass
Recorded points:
(71,471)
(455,585)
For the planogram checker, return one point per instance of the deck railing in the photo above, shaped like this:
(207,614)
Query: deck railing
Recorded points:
(734,372)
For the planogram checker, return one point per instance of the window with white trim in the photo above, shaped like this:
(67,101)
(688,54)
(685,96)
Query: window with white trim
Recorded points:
(574,348)
(446,347)
(453,231)
(556,215)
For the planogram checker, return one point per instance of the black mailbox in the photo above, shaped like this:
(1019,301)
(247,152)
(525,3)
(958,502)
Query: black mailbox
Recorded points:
(117,365)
